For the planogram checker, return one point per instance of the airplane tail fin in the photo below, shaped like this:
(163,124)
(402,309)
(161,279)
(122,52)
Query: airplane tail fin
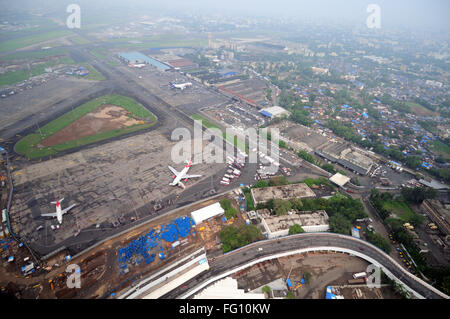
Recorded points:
(181,185)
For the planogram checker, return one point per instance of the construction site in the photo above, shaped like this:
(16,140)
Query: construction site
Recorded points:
(118,262)
(307,275)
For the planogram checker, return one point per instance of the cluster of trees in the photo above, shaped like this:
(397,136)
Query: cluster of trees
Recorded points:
(230,211)
(235,237)
(307,157)
(295,229)
(302,117)
(342,210)
(379,241)
(418,194)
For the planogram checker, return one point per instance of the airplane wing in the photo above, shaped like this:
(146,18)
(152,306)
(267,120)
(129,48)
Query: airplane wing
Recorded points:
(49,215)
(191,176)
(67,209)
(174,171)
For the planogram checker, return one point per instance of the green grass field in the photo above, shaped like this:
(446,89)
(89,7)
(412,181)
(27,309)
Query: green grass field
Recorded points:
(232,139)
(34,55)
(79,40)
(419,109)
(93,73)
(27,146)
(401,209)
(14,44)
(12,77)
(99,53)
(441,147)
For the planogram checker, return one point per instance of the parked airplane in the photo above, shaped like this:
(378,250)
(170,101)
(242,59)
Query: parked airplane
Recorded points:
(178,176)
(181,86)
(59,212)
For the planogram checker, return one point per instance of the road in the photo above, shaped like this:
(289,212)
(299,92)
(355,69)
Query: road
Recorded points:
(243,256)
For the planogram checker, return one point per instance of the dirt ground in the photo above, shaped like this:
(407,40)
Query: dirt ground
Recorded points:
(105,118)
(100,268)
(326,269)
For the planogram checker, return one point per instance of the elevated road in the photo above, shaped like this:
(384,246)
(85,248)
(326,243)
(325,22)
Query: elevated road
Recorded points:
(269,249)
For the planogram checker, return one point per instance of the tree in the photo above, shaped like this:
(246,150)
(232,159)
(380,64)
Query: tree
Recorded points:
(261,183)
(281,207)
(418,194)
(307,276)
(278,181)
(232,237)
(379,241)
(295,229)
(329,168)
(266,290)
(340,224)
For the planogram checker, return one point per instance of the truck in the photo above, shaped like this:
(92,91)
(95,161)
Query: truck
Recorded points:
(359,275)
(224,183)
(356,281)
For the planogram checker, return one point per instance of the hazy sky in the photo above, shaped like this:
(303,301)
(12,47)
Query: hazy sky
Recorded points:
(406,13)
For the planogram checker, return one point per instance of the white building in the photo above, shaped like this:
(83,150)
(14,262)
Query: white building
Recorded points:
(274,111)
(278,226)
(207,212)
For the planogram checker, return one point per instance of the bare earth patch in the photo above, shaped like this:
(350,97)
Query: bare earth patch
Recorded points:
(105,118)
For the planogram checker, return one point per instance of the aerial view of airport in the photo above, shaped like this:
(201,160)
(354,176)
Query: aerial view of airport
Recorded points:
(128,168)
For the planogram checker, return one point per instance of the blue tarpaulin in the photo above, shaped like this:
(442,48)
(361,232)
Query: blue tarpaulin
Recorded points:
(288,282)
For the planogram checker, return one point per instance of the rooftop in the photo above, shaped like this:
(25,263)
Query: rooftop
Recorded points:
(339,179)
(305,218)
(262,195)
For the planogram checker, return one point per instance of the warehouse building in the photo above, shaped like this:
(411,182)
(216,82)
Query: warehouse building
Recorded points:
(300,190)
(207,212)
(278,226)
(274,112)
(347,156)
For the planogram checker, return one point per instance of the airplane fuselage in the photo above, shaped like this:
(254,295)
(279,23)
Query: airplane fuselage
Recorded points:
(180,176)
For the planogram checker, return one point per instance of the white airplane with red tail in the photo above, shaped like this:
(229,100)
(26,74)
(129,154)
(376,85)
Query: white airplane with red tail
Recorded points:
(178,176)
(59,212)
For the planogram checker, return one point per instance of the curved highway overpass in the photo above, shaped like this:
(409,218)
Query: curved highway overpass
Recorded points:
(252,254)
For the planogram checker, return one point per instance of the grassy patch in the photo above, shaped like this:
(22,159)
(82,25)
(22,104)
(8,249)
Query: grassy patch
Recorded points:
(401,209)
(93,73)
(34,55)
(28,146)
(14,44)
(113,63)
(99,53)
(12,77)
(419,109)
(440,147)
(237,142)
(79,40)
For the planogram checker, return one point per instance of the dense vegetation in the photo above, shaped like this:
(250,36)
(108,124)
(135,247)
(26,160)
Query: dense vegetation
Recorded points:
(230,211)
(235,237)
(401,235)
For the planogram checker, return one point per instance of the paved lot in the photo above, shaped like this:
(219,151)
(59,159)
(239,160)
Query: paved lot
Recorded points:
(40,103)
(105,182)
